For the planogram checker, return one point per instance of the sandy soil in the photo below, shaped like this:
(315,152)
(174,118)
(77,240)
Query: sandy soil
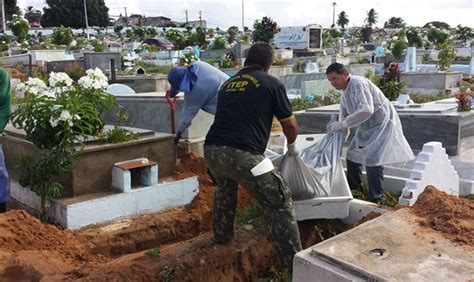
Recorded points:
(176,245)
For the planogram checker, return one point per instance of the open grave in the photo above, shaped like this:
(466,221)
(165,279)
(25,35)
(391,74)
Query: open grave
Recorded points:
(175,245)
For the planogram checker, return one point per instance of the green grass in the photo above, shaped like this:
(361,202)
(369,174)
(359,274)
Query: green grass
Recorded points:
(419,98)
(155,252)
(152,68)
(391,200)
(470,197)
(252,211)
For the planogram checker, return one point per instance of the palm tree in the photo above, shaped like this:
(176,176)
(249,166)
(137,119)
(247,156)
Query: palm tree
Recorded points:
(394,22)
(371,17)
(32,15)
(342,19)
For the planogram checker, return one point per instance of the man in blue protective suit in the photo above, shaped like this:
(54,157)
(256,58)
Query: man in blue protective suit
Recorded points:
(378,139)
(200,83)
(4,116)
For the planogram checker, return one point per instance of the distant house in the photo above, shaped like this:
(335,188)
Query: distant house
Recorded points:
(133,20)
(157,21)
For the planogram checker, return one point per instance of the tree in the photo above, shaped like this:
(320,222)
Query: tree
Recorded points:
(32,15)
(19,27)
(446,55)
(62,35)
(11,9)
(71,13)
(342,19)
(464,33)
(437,24)
(264,30)
(414,37)
(366,33)
(394,22)
(437,36)
(371,17)
(232,34)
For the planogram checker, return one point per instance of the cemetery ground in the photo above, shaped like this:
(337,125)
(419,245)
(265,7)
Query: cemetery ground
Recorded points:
(176,245)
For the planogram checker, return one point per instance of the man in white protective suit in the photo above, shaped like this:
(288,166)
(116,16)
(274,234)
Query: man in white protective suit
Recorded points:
(379,138)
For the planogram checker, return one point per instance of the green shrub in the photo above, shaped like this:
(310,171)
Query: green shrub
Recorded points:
(74,70)
(252,211)
(97,45)
(446,56)
(62,35)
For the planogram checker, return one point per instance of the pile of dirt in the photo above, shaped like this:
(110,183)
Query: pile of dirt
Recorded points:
(181,240)
(191,165)
(20,231)
(450,215)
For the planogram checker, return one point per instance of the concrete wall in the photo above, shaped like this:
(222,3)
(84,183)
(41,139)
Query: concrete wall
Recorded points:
(145,83)
(153,112)
(15,59)
(47,55)
(276,71)
(60,66)
(360,69)
(102,61)
(454,130)
(432,80)
(93,167)
(293,81)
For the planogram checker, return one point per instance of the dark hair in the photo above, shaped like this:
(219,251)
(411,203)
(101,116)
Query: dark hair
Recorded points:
(260,54)
(337,68)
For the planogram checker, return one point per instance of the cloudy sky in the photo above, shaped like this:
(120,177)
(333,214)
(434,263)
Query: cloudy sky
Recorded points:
(225,13)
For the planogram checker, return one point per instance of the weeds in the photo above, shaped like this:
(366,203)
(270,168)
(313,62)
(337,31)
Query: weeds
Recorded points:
(165,274)
(155,252)
(252,211)
(152,68)
(277,276)
(117,135)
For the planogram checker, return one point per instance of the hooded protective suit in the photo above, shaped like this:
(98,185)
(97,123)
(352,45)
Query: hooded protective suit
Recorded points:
(379,138)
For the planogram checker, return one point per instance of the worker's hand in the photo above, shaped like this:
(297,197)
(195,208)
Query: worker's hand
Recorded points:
(176,139)
(292,151)
(337,126)
(347,133)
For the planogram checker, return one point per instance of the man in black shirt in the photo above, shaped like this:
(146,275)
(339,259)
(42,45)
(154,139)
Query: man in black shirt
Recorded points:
(235,145)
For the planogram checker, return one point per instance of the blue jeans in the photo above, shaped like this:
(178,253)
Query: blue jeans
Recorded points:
(4,180)
(374,178)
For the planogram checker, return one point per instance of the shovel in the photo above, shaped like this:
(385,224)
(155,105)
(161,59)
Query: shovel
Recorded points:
(172,105)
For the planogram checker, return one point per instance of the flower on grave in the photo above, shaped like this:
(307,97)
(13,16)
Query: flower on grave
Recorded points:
(63,109)
(187,59)
(57,118)
(32,85)
(94,79)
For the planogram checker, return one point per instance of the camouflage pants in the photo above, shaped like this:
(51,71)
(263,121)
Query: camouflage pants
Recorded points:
(229,167)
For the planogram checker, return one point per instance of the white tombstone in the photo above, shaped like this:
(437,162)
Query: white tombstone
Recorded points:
(410,59)
(311,67)
(118,89)
(404,99)
(432,167)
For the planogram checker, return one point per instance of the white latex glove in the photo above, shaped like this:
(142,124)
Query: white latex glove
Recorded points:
(338,126)
(292,149)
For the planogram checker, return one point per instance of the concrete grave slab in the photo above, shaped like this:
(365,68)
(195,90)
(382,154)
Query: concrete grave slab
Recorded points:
(388,248)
